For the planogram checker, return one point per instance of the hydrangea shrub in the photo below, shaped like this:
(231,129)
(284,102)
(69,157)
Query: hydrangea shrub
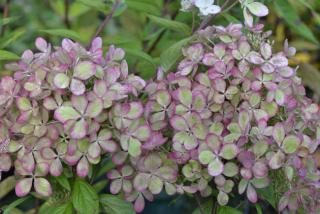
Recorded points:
(233,114)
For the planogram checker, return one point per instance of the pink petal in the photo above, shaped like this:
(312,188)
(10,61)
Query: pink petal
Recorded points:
(41,44)
(23,187)
(83,167)
(139,204)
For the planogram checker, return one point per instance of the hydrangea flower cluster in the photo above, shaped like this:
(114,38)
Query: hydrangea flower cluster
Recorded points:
(232,115)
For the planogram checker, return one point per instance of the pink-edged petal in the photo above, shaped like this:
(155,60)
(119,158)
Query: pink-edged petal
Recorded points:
(278,133)
(258,9)
(113,174)
(94,108)
(41,44)
(252,194)
(80,103)
(279,60)
(23,187)
(83,167)
(266,50)
(277,160)
(7,83)
(280,97)
(163,97)
(229,151)
(49,103)
(65,113)
(290,144)
(94,150)
(28,162)
(255,58)
(139,204)
(184,95)
(198,101)
(179,123)
(134,147)
(109,146)
(77,87)
(84,70)
(100,88)
(215,167)
(79,130)
(119,157)
(61,80)
(267,68)
(23,103)
(42,187)
(135,110)
(142,133)
(56,168)
(141,181)
(116,186)
(5,162)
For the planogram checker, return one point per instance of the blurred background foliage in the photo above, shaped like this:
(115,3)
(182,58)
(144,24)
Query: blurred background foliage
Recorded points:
(152,32)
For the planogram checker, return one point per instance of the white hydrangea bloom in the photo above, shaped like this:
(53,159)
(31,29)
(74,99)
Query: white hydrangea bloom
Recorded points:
(207,7)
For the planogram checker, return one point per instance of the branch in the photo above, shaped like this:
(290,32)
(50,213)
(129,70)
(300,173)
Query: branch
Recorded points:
(66,14)
(106,20)
(5,15)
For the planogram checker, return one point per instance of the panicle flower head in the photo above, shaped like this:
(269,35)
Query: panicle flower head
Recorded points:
(232,115)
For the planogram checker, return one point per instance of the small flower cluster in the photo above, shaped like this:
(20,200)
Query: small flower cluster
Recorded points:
(205,7)
(232,115)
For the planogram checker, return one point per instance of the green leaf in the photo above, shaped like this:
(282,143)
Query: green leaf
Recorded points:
(11,37)
(230,18)
(288,13)
(7,185)
(268,195)
(63,33)
(100,185)
(63,181)
(170,24)
(206,207)
(228,210)
(169,57)
(115,205)
(141,6)
(5,21)
(140,55)
(6,55)
(310,77)
(15,204)
(258,208)
(84,197)
(96,4)
(65,208)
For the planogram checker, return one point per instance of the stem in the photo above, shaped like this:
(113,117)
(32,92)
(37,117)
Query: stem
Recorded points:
(231,6)
(5,15)
(66,14)
(210,18)
(214,207)
(106,20)
(199,204)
